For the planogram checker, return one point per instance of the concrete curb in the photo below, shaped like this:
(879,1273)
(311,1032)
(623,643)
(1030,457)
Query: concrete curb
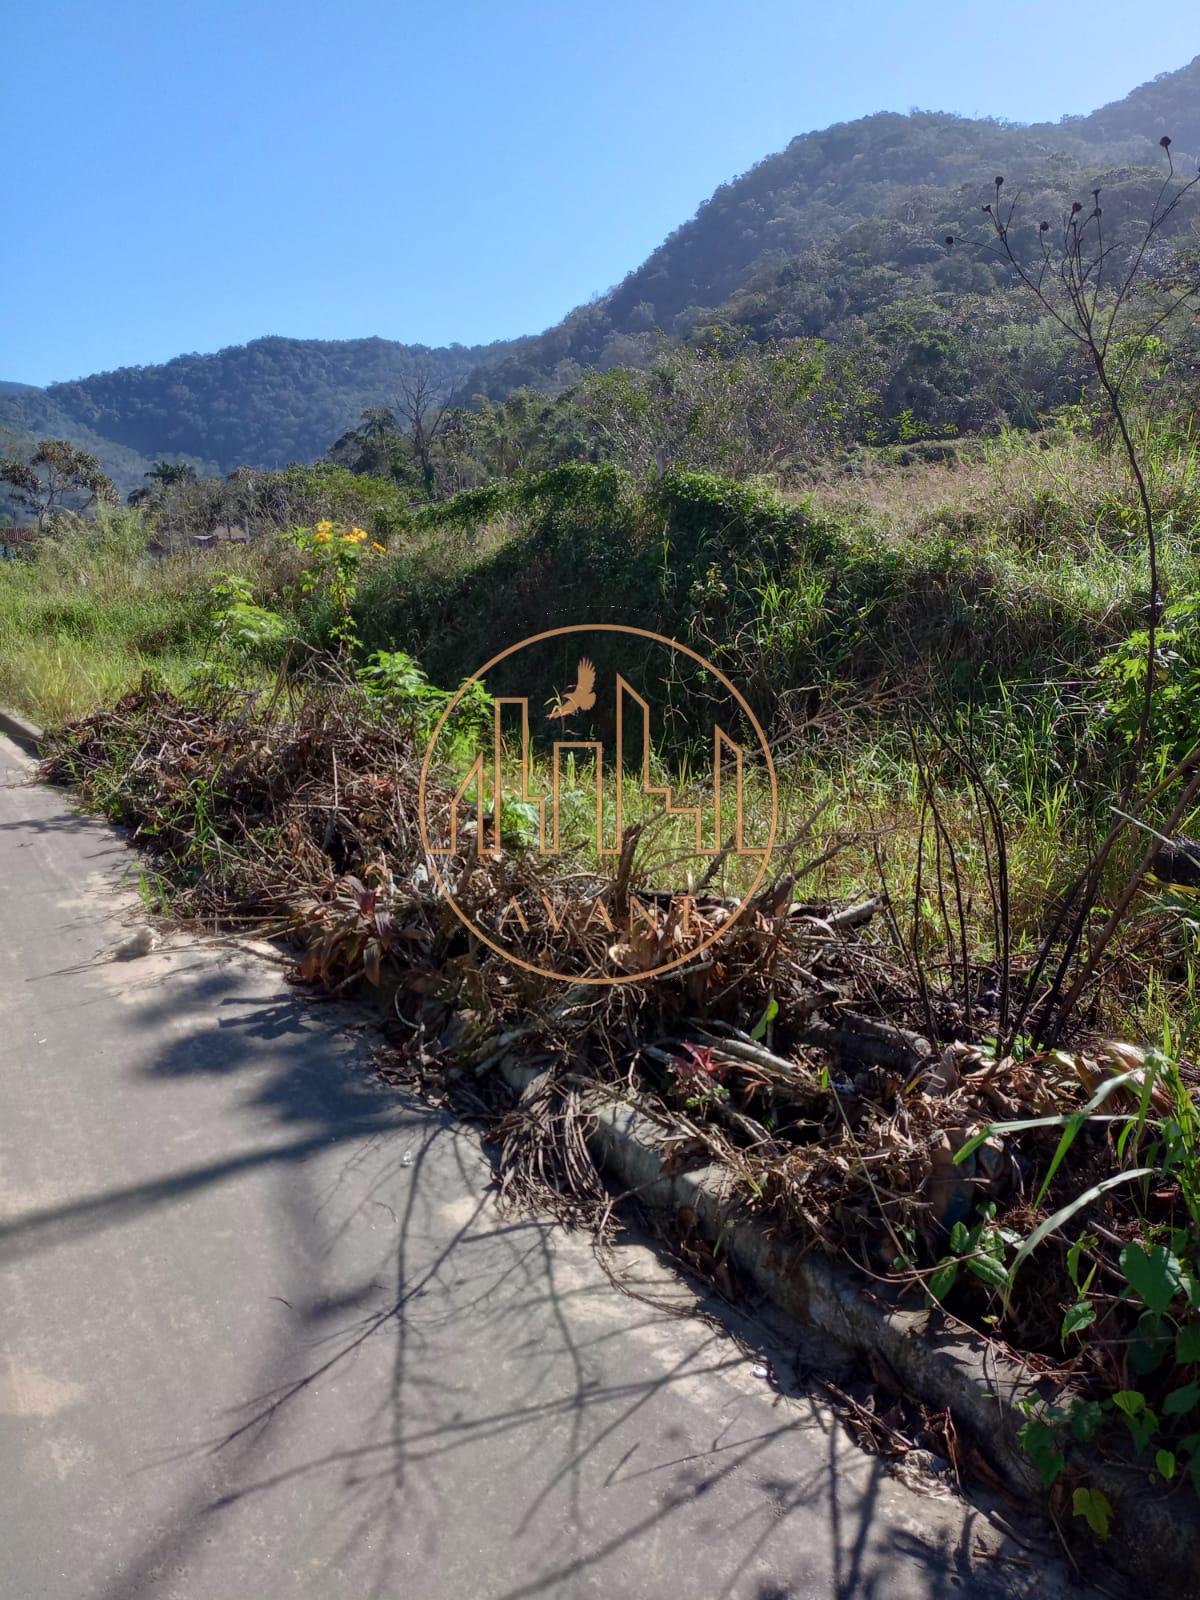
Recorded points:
(26,734)
(1156,1536)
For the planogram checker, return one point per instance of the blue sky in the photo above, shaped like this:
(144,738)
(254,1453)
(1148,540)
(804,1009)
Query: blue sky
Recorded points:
(183,177)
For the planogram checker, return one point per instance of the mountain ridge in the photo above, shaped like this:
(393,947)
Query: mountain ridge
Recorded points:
(278,399)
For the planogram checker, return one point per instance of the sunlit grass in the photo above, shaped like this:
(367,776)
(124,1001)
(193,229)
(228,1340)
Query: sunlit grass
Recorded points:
(53,680)
(974,597)
(83,619)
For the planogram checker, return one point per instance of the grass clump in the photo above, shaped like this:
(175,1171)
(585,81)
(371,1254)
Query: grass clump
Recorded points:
(88,613)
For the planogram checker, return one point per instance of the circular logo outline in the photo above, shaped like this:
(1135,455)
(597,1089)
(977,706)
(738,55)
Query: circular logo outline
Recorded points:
(561,632)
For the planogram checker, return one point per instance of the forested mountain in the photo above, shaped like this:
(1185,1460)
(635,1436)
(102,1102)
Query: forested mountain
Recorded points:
(262,404)
(28,414)
(919,173)
(840,228)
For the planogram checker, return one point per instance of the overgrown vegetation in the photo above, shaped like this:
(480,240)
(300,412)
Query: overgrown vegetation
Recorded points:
(954,1038)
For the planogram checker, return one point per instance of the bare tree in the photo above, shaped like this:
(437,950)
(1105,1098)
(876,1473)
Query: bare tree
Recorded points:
(58,478)
(1099,290)
(425,414)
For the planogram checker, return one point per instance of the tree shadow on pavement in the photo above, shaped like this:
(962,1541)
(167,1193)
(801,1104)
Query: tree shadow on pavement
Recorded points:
(455,1401)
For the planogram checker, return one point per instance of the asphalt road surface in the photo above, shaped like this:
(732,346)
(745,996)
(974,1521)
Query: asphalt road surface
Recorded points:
(263,1332)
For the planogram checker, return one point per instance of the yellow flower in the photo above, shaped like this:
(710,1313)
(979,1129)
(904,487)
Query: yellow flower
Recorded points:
(382,548)
(325,527)
(321,538)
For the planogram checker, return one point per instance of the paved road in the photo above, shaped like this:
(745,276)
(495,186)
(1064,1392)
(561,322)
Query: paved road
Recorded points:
(264,1334)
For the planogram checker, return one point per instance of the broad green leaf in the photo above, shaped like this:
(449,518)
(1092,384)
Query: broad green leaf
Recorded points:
(992,1272)
(1079,1316)
(1154,1275)
(1182,1400)
(1130,1401)
(1092,1505)
(1164,1460)
(1040,1445)
(1142,1429)
(1187,1345)
(1086,1416)
(942,1281)
(1151,1344)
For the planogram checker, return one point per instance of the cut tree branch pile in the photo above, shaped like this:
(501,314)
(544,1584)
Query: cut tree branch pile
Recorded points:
(797,1052)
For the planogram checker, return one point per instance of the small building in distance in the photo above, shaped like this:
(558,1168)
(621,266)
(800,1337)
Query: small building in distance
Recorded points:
(167,541)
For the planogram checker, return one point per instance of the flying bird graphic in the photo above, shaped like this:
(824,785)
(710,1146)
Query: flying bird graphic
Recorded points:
(583,696)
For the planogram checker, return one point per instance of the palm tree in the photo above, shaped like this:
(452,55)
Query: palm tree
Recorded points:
(378,422)
(168,472)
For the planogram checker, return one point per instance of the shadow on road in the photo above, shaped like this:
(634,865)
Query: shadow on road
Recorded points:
(437,1386)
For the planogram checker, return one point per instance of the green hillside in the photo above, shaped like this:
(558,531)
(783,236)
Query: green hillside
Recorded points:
(827,238)
(262,404)
(917,173)
(28,414)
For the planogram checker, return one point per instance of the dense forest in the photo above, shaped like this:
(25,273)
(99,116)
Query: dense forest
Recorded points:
(262,404)
(838,239)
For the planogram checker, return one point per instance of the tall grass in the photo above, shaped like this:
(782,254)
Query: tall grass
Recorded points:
(86,615)
(978,596)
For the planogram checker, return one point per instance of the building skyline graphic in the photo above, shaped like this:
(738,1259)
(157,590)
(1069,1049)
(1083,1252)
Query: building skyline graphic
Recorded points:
(496,776)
